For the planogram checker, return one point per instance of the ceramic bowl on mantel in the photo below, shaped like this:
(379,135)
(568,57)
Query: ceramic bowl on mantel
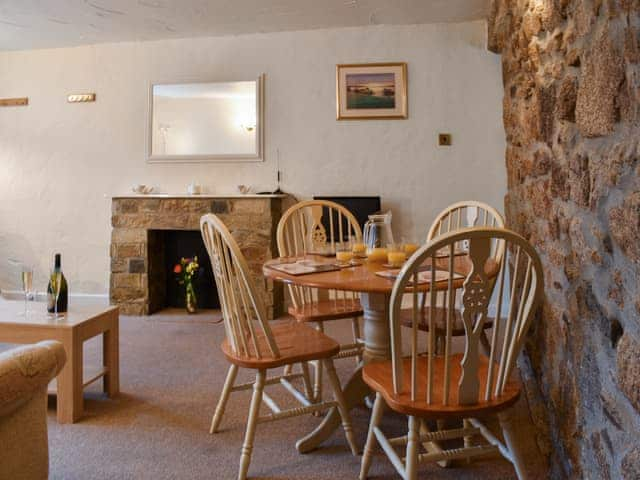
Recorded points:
(142,189)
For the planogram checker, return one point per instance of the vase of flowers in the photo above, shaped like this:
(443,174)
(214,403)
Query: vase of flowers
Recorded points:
(185,272)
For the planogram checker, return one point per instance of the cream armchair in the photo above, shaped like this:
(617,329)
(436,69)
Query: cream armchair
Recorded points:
(25,373)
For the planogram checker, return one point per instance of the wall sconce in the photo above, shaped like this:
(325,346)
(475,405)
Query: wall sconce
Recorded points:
(248,127)
(81,97)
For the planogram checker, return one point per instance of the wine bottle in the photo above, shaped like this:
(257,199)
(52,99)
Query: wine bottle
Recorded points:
(63,298)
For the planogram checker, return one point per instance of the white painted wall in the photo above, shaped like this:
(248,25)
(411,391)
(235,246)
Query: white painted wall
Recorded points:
(59,160)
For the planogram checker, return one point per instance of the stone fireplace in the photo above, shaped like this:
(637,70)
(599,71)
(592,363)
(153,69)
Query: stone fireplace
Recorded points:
(136,271)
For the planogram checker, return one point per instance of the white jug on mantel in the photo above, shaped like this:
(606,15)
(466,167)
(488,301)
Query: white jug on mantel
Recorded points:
(193,188)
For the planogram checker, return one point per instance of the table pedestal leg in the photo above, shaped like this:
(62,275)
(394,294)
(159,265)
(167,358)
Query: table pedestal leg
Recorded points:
(377,334)
(376,347)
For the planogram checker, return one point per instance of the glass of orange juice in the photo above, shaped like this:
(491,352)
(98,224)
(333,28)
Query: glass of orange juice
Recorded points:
(359,249)
(396,256)
(410,247)
(344,253)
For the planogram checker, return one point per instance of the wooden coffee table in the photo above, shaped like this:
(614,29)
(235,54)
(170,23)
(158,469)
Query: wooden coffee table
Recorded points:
(73,329)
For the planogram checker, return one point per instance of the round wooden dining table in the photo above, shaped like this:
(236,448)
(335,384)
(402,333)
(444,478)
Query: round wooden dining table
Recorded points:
(375,293)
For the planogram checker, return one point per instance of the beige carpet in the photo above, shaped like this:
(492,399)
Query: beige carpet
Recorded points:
(171,372)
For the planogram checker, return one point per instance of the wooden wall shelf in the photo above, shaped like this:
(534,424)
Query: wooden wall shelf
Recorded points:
(14,102)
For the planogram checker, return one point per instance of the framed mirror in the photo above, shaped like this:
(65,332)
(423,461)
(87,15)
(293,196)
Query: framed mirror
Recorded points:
(205,121)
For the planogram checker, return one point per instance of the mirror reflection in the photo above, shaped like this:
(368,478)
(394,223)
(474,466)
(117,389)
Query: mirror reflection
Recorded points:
(217,120)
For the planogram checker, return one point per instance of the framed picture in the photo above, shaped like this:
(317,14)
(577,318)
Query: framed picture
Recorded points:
(371,90)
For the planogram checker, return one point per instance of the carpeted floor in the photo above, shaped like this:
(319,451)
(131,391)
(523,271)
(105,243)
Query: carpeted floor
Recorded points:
(172,370)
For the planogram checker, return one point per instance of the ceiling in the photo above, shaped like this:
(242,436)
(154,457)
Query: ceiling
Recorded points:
(29,24)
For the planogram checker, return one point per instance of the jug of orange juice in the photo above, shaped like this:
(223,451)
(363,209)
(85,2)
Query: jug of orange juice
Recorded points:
(377,235)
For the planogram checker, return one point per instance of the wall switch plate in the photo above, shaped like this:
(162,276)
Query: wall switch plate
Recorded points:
(81,97)
(444,139)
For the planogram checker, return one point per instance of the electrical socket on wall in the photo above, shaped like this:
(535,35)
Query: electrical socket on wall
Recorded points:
(444,139)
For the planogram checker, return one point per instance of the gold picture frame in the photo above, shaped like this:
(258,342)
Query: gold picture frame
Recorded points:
(371,91)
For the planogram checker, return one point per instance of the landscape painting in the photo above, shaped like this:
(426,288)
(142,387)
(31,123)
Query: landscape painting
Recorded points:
(370,91)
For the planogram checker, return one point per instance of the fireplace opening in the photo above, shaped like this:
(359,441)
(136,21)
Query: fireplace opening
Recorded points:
(165,249)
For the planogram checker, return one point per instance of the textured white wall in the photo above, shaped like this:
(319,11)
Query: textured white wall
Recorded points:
(59,160)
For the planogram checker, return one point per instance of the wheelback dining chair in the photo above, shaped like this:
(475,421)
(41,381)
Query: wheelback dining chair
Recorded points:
(468,385)
(253,343)
(308,227)
(464,214)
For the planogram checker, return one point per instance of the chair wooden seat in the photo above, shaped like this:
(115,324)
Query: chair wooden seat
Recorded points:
(324,310)
(379,377)
(440,321)
(296,343)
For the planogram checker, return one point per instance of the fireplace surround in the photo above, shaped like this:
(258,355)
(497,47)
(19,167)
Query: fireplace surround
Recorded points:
(137,219)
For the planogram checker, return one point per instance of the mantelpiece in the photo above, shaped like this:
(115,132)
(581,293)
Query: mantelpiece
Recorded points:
(137,270)
(199,196)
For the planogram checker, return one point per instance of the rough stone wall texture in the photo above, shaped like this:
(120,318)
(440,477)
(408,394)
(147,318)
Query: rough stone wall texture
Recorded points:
(571,72)
(252,221)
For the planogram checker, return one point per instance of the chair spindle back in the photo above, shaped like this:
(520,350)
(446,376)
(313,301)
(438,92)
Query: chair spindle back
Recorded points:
(301,231)
(243,310)
(465,214)
(516,302)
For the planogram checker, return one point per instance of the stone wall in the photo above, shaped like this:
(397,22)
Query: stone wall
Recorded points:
(571,77)
(134,247)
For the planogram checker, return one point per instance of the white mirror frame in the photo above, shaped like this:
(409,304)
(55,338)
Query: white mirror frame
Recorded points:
(241,157)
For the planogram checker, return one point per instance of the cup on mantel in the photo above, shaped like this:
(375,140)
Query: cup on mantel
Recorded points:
(141,189)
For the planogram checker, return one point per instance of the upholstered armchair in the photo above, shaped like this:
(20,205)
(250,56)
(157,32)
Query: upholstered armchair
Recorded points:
(25,373)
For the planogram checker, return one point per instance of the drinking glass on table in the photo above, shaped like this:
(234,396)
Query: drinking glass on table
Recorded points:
(27,286)
(56,284)
(410,247)
(396,255)
(358,248)
(344,253)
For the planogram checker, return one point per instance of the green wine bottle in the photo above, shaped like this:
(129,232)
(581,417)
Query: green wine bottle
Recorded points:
(63,298)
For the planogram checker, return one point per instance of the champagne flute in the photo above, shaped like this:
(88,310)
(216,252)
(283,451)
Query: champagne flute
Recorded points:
(27,285)
(56,283)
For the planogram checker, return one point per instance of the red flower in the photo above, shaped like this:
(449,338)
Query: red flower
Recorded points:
(177,269)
